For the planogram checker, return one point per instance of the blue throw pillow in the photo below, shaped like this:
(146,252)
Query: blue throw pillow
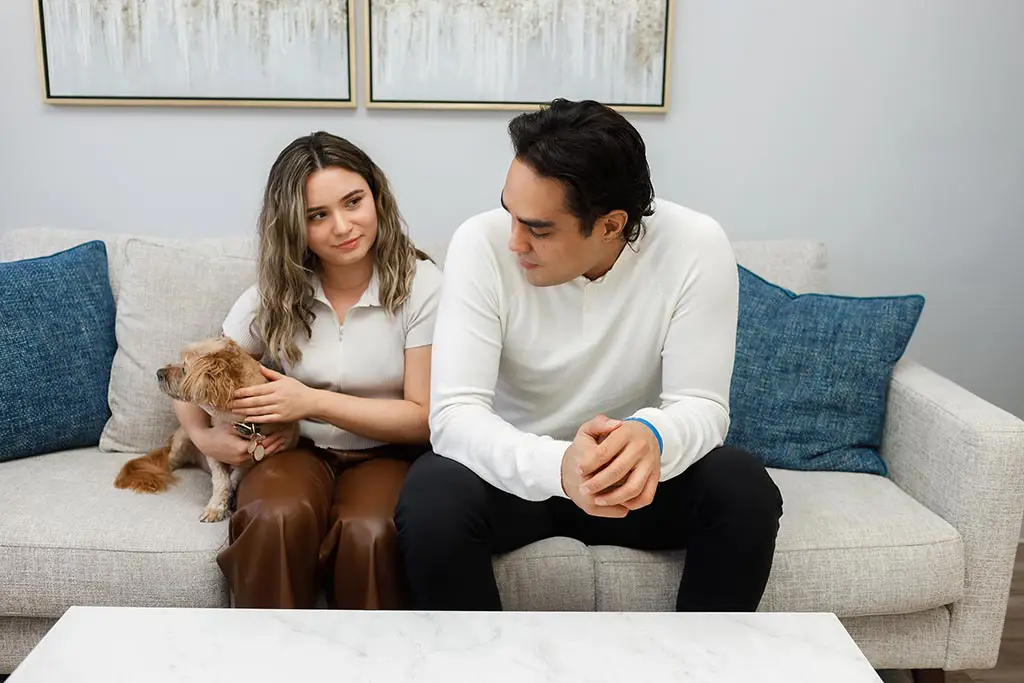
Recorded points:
(812,374)
(56,346)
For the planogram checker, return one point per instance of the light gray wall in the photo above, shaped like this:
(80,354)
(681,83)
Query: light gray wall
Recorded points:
(892,131)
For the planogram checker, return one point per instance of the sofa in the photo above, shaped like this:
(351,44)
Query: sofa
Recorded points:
(916,564)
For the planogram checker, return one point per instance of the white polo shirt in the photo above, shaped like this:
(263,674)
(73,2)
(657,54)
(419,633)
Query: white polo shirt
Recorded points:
(363,356)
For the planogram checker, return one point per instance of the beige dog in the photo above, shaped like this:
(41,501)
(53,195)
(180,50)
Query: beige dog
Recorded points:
(208,376)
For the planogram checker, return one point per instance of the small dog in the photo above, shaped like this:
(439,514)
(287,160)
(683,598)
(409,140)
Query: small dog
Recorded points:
(208,376)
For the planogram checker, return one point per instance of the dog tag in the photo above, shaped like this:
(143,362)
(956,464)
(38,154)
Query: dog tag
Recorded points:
(258,452)
(252,447)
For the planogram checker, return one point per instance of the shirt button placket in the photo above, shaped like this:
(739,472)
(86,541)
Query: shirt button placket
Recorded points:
(585,315)
(341,351)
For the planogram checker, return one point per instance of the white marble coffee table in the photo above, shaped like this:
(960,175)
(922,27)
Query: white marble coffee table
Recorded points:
(155,645)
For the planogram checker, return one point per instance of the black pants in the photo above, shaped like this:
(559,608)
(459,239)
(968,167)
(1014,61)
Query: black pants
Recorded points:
(724,510)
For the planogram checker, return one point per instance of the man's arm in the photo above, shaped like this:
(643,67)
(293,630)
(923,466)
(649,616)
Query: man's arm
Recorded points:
(464,370)
(698,358)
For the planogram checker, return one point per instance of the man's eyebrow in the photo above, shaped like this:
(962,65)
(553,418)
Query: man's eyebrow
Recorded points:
(347,196)
(529,222)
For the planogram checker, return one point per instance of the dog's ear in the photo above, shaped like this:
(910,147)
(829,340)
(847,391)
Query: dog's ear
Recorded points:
(211,380)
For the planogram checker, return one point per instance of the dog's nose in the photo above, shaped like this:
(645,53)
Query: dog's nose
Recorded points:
(160,374)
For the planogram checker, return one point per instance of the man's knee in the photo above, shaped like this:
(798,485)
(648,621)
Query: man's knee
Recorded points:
(733,479)
(440,499)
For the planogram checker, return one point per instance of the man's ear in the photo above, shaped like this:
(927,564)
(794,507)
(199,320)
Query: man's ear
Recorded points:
(611,225)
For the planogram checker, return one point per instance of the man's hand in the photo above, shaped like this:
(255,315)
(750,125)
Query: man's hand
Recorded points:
(585,448)
(282,399)
(625,469)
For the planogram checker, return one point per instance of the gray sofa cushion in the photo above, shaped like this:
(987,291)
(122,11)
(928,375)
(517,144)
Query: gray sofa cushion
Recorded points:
(170,296)
(852,544)
(18,636)
(68,537)
(556,574)
(797,265)
(858,545)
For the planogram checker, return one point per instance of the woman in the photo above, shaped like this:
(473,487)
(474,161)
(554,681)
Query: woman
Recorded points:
(345,305)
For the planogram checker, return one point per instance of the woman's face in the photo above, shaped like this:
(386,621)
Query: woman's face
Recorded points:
(341,217)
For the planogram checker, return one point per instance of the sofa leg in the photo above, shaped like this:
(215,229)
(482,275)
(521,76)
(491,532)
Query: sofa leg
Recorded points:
(929,676)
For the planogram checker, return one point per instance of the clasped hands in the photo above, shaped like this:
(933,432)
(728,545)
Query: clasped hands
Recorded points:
(611,467)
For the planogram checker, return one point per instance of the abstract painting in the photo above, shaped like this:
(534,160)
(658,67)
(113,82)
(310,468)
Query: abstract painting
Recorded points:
(270,52)
(513,54)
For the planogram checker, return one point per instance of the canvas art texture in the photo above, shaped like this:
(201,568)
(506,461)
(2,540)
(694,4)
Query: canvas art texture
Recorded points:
(522,51)
(197,49)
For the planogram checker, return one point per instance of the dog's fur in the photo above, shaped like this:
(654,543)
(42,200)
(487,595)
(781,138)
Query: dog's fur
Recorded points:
(208,376)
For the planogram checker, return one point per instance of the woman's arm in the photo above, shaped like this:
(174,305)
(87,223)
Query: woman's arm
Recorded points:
(387,420)
(286,399)
(220,443)
(193,418)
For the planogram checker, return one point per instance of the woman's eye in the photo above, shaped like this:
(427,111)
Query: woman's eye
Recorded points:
(318,216)
(354,202)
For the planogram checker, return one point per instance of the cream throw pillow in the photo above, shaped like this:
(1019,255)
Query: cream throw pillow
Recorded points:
(170,296)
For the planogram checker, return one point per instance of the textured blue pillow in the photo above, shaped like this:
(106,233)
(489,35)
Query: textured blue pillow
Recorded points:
(812,374)
(56,346)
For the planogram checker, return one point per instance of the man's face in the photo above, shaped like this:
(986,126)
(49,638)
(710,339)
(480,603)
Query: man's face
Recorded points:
(544,235)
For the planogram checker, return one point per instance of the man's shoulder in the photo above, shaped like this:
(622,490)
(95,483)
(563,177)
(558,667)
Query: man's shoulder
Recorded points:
(483,229)
(480,239)
(678,233)
(673,223)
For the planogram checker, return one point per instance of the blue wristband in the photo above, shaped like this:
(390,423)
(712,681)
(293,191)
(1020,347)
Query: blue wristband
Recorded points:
(657,435)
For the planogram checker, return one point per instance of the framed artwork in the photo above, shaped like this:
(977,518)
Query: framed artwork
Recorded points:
(295,53)
(496,54)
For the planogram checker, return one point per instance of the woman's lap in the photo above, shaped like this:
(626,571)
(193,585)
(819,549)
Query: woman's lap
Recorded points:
(353,507)
(360,553)
(299,477)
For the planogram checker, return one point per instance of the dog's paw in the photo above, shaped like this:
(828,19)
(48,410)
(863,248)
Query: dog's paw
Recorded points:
(212,513)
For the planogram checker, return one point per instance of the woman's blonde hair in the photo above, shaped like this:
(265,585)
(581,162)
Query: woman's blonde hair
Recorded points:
(285,260)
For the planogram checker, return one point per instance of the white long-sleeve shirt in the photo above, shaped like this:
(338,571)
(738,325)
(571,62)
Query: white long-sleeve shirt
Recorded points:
(516,369)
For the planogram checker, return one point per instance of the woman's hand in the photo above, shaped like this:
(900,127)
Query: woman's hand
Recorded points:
(223,443)
(282,399)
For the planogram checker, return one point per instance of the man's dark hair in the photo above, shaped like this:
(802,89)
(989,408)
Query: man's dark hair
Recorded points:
(597,155)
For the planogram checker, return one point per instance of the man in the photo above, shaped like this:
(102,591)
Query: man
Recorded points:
(583,353)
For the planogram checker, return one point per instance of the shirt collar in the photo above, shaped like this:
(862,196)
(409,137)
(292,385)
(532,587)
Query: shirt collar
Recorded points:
(370,297)
(622,264)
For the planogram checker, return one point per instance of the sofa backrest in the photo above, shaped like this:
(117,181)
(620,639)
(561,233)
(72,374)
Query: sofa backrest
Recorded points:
(799,265)
(34,242)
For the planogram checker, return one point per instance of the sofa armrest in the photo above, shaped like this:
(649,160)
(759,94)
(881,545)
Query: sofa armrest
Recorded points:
(962,458)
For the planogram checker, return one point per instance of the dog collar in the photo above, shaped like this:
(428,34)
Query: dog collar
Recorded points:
(251,431)
(247,429)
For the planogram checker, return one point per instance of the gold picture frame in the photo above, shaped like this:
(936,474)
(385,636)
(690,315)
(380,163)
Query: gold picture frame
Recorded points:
(376,102)
(50,97)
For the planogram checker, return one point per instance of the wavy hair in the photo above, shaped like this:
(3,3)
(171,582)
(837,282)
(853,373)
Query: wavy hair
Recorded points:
(285,260)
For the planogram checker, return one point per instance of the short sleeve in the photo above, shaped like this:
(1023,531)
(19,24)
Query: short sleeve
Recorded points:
(237,325)
(421,306)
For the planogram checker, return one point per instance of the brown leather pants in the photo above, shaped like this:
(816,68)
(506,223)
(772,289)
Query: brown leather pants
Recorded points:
(309,519)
